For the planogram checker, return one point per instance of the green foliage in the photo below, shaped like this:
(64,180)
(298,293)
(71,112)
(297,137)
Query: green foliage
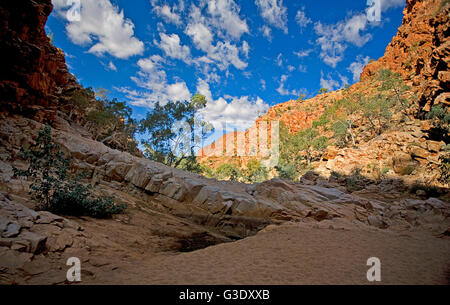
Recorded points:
(355,181)
(287,171)
(52,187)
(169,133)
(301,98)
(81,99)
(207,171)
(323,90)
(440,117)
(377,110)
(393,90)
(321,121)
(340,132)
(384,171)
(228,171)
(254,171)
(291,145)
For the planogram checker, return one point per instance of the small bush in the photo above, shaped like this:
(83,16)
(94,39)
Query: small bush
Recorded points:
(287,171)
(52,187)
(355,181)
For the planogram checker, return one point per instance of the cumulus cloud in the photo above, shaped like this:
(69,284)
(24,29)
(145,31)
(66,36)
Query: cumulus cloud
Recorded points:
(357,66)
(172,47)
(201,29)
(376,7)
(225,17)
(273,12)
(283,91)
(333,39)
(302,19)
(153,79)
(332,84)
(234,112)
(169,14)
(266,32)
(103,27)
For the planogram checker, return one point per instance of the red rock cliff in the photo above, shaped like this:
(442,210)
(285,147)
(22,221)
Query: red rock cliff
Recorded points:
(421,51)
(34,72)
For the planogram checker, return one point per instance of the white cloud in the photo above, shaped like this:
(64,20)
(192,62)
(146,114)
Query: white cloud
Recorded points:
(103,27)
(357,66)
(153,80)
(169,14)
(245,48)
(302,19)
(203,88)
(263,84)
(290,68)
(302,68)
(225,17)
(333,39)
(273,12)
(376,7)
(223,53)
(279,60)
(112,67)
(386,4)
(201,35)
(331,84)
(303,53)
(267,32)
(235,112)
(283,91)
(172,47)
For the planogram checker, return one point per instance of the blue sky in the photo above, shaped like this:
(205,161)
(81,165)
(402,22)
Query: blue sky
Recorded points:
(244,56)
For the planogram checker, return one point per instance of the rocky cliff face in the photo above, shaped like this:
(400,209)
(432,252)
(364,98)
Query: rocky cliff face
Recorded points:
(34,72)
(421,51)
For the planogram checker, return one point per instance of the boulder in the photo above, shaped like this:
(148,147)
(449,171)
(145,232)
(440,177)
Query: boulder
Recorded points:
(403,163)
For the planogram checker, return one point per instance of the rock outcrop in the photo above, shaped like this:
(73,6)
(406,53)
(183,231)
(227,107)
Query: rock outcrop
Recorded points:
(34,72)
(421,51)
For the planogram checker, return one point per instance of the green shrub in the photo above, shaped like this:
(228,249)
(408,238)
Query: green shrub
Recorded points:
(384,171)
(228,171)
(440,117)
(355,181)
(54,189)
(287,171)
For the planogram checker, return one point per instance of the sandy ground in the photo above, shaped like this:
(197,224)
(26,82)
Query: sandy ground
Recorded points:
(297,255)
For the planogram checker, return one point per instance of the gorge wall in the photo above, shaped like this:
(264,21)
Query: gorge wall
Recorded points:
(34,72)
